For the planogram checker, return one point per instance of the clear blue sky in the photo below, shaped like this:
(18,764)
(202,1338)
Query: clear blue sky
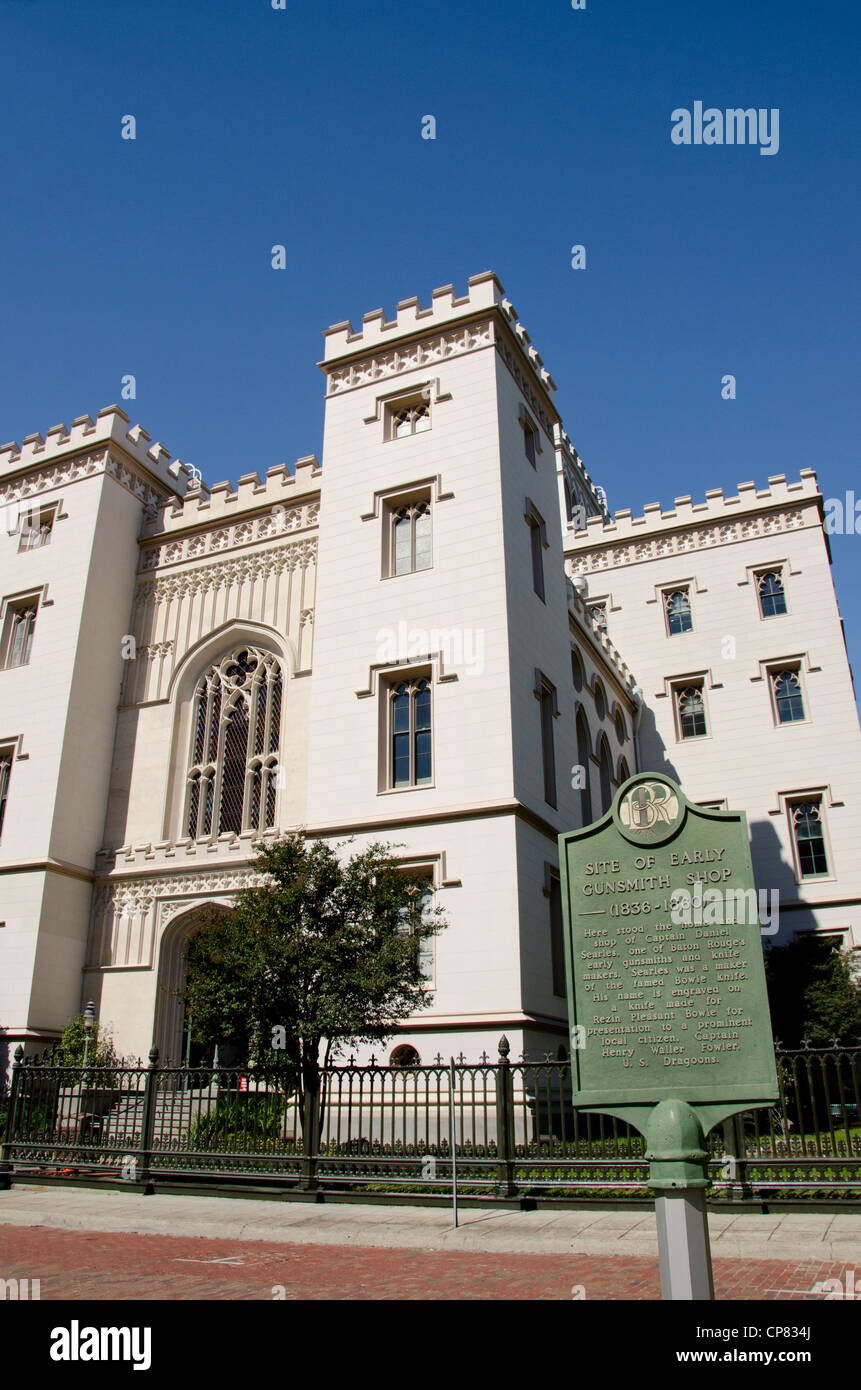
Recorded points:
(302,127)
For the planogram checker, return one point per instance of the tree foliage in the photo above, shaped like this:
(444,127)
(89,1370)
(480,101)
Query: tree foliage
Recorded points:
(324,954)
(813,993)
(101,1052)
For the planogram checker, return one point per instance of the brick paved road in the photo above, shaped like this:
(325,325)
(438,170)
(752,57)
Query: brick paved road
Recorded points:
(97,1265)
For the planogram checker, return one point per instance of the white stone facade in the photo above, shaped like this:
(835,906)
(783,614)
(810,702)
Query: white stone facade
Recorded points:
(440,426)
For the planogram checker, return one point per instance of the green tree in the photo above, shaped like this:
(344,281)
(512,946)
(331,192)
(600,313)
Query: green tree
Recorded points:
(325,954)
(101,1052)
(812,993)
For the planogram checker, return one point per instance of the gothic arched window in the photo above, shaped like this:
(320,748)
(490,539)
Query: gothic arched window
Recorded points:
(605,773)
(236,740)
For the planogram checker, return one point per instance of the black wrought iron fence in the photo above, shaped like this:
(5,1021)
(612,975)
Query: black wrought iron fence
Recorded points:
(386,1129)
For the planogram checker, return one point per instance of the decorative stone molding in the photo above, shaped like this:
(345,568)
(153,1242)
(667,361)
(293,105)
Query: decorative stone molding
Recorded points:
(684,541)
(72,470)
(228,573)
(523,383)
(129,915)
(218,539)
(452,343)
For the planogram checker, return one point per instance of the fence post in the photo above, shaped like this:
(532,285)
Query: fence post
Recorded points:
(735,1161)
(505,1186)
(310,1138)
(5,1163)
(148,1122)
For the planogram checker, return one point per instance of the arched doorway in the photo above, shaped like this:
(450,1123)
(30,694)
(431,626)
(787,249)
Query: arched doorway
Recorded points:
(171,1033)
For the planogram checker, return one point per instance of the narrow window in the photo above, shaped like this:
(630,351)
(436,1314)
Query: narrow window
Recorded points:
(5,774)
(772,595)
(410,920)
(624,774)
(600,700)
(691,711)
(410,537)
(576,670)
(809,836)
(583,760)
(538,544)
(605,772)
(537,561)
(20,626)
(410,726)
(546,695)
(530,435)
(677,603)
(787,696)
(557,936)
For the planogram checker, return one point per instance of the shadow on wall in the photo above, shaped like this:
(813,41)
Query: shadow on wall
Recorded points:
(653,750)
(773,873)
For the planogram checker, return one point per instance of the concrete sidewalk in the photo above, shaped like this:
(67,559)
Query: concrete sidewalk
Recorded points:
(791,1235)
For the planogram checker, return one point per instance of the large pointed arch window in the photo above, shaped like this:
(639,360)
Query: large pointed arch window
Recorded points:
(236,742)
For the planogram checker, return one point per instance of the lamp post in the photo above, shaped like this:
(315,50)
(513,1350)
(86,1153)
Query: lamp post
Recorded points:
(89,1020)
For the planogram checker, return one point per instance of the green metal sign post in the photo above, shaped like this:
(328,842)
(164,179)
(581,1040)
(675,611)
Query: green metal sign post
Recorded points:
(670,1029)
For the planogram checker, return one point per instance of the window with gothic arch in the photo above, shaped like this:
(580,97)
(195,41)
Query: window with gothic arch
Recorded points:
(410,743)
(236,742)
(772,594)
(677,603)
(410,542)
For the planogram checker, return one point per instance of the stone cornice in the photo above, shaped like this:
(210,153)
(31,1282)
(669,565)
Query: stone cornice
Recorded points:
(592,558)
(227,573)
(454,341)
(215,539)
(61,473)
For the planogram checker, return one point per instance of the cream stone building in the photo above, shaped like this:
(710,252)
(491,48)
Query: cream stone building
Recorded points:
(388,647)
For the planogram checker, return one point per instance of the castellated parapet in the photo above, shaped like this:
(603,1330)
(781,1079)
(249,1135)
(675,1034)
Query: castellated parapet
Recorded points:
(445,310)
(716,507)
(223,502)
(85,434)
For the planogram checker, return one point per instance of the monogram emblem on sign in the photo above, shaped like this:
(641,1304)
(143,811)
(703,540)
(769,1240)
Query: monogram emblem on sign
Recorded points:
(649,810)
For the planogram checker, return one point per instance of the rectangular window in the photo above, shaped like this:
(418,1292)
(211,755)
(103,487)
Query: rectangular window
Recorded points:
(787,698)
(410,919)
(35,527)
(771,592)
(808,837)
(410,733)
(557,940)
(537,544)
(407,546)
(689,700)
(408,415)
(18,629)
(545,693)
(531,444)
(5,774)
(677,607)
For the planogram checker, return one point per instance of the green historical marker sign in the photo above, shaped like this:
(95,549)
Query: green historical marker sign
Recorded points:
(670,1028)
(664,958)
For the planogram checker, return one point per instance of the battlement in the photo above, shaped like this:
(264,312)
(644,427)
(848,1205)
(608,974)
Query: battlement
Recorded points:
(86,434)
(446,309)
(578,607)
(575,463)
(716,507)
(223,503)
